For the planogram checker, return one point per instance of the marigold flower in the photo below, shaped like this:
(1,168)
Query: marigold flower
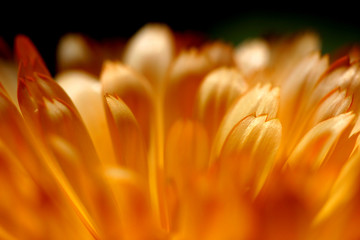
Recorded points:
(169,137)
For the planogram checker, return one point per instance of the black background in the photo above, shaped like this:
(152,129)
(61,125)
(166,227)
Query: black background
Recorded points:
(45,23)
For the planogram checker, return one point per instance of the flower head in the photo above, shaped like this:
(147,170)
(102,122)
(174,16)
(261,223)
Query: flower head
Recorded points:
(171,137)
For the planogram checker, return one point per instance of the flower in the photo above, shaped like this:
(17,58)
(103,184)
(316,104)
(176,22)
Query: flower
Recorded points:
(180,138)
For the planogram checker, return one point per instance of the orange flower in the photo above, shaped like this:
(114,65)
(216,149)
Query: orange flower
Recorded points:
(182,141)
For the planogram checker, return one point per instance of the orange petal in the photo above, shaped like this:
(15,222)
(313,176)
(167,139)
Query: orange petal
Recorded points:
(249,152)
(8,78)
(86,93)
(126,136)
(75,51)
(66,146)
(150,52)
(312,150)
(133,199)
(26,150)
(29,58)
(343,190)
(121,81)
(186,75)
(336,103)
(216,94)
(219,53)
(261,100)
(68,141)
(252,56)
(297,87)
(192,159)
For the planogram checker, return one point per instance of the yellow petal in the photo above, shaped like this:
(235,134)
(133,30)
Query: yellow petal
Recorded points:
(312,150)
(343,189)
(71,145)
(75,51)
(181,166)
(219,53)
(86,93)
(150,52)
(50,114)
(252,56)
(126,136)
(24,149)
(336,103)
(185,77)
(216,94)
(133,200)
(249,151)
(297,88)
(261,100)
(121,81)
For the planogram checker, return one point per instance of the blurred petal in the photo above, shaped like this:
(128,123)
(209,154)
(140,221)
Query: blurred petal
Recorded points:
(52,118)
(75,51)
(135,206)
(121,81)
(86,93)
(252,56)
(46,203)
(342,191)
(192,160)
(126,136)
(312,150)
(219,53)
(216,94)
(186,74)
(150,52)
(8,78)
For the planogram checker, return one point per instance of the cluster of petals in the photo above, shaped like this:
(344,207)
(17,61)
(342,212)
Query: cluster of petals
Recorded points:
(170,136)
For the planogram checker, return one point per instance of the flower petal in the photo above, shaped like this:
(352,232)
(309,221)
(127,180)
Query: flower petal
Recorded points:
(75,51)
(182,166)
(185,77)
(219,53)
(50,187)
(63,139)
(216,94)
(252,56)
(150,52)
(126,136)
(312,150)
(343,189)
(27,56)
(8,78)
(259,101)
(249,151)
(121,81)
(86,93)
(133,198)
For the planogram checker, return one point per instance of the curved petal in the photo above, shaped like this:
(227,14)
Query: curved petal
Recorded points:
(183,165)
(150,52)
(313,148)
(216,94)
(126,136)
(259,101)
(86,93)
(186,74)
(249,151)
(121,81)
(63,139)
(252,56)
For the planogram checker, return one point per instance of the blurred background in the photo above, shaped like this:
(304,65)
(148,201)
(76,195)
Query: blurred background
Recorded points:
(338,24)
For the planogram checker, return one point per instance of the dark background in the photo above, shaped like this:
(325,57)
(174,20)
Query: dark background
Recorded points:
(337,23)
